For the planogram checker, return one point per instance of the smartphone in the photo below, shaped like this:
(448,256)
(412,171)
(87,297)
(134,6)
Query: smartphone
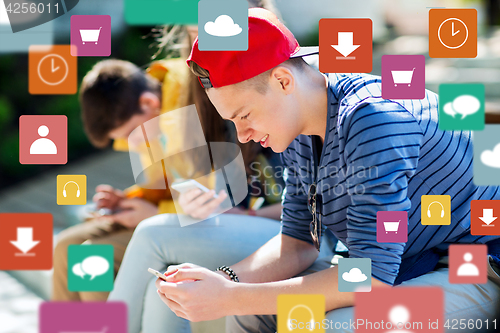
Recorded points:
(188,185)
(157,274)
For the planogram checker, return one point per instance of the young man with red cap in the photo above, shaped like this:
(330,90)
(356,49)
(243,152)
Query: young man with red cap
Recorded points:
(349,154)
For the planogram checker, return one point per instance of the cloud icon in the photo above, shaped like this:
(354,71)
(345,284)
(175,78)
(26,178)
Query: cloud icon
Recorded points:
(354,275)
(491,158)
(223,26)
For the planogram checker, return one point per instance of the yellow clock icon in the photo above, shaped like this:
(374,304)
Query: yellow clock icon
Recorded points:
(53,69)
(453,33)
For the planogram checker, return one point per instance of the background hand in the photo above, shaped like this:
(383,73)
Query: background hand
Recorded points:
(107,197)
(133,212)
(198,205)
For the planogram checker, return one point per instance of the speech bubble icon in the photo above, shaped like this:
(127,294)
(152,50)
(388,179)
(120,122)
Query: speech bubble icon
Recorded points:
(448,109)
(466,105)
(94,266)
(77,270)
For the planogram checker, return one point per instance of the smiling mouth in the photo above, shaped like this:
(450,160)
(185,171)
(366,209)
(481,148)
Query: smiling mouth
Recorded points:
(264,138)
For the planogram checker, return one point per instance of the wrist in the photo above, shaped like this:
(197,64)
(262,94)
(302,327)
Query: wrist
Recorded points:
(221,273)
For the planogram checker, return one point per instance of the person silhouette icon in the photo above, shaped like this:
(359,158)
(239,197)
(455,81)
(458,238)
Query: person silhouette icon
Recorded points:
(399,316)
(468,268)
(43,146)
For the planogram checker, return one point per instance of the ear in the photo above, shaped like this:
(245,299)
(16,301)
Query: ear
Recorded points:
(284,79)
(149,102)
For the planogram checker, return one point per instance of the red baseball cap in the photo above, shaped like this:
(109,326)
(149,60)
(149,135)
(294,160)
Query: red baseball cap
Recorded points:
(269,44)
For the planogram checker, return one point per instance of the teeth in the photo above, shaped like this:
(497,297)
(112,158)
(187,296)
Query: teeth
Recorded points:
(264,138)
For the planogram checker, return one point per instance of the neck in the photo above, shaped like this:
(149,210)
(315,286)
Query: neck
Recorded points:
(314,102)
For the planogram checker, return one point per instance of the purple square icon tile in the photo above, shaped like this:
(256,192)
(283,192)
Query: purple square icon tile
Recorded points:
(403,77)
(72,317)
(392,227)
(91,34)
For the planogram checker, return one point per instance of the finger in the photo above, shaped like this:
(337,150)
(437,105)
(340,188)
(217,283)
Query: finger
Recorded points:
(209,207)
(190,195)
(104,188)
(183,274)
(174,306)
(133,203)
(169,288)
(124,217)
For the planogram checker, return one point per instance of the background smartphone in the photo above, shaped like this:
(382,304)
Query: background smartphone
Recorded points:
(157,274)
(188,185)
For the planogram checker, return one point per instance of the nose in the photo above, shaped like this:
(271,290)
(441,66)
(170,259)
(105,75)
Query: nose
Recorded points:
(243,133)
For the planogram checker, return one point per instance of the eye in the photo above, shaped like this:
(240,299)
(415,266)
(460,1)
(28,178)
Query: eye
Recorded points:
(245,116)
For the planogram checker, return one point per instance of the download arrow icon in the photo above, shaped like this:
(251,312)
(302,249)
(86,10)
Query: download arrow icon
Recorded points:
(487,216)
(345,43)
(24,240)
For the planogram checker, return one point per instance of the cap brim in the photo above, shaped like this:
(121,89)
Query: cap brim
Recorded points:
(305,51)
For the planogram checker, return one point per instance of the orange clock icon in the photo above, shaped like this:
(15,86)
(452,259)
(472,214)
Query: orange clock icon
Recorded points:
(52,70)
(452,33)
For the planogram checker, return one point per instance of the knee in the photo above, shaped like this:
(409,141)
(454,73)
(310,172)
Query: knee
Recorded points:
(149,228)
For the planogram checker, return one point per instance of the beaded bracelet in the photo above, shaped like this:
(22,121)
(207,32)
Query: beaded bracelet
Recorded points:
(229,272)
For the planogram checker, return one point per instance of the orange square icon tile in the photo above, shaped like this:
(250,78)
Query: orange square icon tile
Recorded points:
(52,70)
(452,33)
(345,45)
(484,216)
(26,241)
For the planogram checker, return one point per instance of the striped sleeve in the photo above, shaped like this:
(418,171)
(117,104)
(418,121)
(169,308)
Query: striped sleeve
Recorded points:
(296,216)
(382,144)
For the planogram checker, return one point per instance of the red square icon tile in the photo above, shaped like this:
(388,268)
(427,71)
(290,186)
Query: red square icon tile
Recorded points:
(345,45)
(43,139)
(399,309)
(468,263)
(484,216)
(26,241)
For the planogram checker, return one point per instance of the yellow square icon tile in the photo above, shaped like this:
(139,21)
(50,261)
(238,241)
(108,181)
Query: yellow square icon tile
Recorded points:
(301,313)
(71,189)
(435,209)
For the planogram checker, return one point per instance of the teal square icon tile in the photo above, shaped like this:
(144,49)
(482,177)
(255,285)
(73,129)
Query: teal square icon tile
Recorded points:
(355,274)
(90,267)
(461,107)
(156,12)
(486,146)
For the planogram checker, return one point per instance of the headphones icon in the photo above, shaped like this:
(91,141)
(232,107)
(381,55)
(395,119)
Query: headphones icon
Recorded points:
(289,320)
(429,209)
(77,192)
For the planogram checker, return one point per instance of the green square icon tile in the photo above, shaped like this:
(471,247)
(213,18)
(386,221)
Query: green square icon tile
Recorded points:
(461,107)
(90,267)
(154,12)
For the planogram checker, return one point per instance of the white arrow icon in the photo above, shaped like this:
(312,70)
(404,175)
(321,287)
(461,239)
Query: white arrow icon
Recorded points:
(25,240)
(345,46)
(488,217)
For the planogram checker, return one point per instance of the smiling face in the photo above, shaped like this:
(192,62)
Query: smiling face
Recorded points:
(271,117)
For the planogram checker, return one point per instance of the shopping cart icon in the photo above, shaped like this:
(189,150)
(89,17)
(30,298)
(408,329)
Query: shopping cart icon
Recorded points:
(391,226)
(402,77)
(90,35)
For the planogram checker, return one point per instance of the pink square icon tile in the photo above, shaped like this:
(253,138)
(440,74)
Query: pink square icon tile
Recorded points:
(74,317)
(468,263)
(91,35)
(43,139)
(399,309)
(392,227)
(403,76)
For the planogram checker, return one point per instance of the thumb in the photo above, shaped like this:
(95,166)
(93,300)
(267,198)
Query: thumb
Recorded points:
(183,274)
